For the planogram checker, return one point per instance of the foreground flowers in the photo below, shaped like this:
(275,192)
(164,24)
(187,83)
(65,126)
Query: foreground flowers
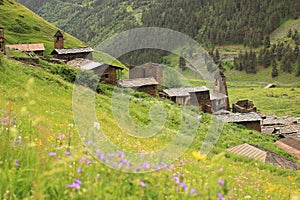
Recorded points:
(75,185)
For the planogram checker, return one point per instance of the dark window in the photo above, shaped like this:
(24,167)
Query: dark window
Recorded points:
(106,75)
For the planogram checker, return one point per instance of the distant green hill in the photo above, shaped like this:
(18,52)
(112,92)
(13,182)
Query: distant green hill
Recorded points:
(23,26)
(214,21)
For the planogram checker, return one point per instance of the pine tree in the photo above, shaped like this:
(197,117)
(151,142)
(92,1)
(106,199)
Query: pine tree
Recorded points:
(289,33)
(296,37)
(267,42)
(217,56)
(298,69)
(274,69)
(182,63)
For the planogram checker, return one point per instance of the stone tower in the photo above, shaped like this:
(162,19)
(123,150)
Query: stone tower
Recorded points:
(2,44)
(220,86)
(58,40)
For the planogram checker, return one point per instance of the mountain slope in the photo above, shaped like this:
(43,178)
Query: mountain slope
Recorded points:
(23,26)
(217,22)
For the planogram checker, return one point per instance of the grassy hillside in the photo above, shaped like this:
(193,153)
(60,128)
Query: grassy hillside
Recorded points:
(23,26)
(282,31)
(42,155)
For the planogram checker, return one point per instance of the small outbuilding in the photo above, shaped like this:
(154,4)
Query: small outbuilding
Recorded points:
(38,49)
(291,145)
(261,154)
(146,85)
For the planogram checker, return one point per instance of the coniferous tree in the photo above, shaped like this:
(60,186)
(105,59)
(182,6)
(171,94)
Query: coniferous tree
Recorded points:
(289,33)
(274,69)
(267,42)
(182,63)
(298,68)
(296,37)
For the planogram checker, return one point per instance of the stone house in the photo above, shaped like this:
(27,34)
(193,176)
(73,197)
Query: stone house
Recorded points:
(146,85)
(220,99)
(68,54)
(244,106)
(106,73)
(197,96)
(218,102)
(146,71)
(250,120)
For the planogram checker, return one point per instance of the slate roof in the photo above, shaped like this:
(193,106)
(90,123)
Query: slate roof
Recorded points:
(184,91)
(237,117)
(84,63)
(27,47)
(217,96)
(270,86)
(72,51)
(290,144)
(58,34)
(87,64)
(137,82)
(263,155)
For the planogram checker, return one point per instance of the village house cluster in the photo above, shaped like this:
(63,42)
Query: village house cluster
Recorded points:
(148,78)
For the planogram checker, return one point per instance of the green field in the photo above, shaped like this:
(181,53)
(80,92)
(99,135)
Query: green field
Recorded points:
(39,106)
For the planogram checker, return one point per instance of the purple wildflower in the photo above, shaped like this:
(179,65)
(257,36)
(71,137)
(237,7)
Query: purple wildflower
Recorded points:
(157,167)
(176,179)
(88,162)
(164,165)
(89,143)
(121,154)
(110,155)
(52,154)
(79,169)
(68,153)
(74,185)
(145,165)
(220,181)
(143,184)
(220,196)
(138,169)
(17,163)
(183,185)
(76,180)
(5,120)
(193,191)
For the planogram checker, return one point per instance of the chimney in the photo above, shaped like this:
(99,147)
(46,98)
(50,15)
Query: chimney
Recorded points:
(58,40)
(2,45)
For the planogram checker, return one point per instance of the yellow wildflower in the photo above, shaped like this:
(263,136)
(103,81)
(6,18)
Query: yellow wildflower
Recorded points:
(198,156)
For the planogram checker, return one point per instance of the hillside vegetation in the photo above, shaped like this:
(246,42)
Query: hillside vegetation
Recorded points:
(42,155)
(23,26)
(216,22)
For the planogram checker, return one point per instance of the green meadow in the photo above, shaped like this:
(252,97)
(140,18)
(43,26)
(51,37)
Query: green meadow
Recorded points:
(44,157)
